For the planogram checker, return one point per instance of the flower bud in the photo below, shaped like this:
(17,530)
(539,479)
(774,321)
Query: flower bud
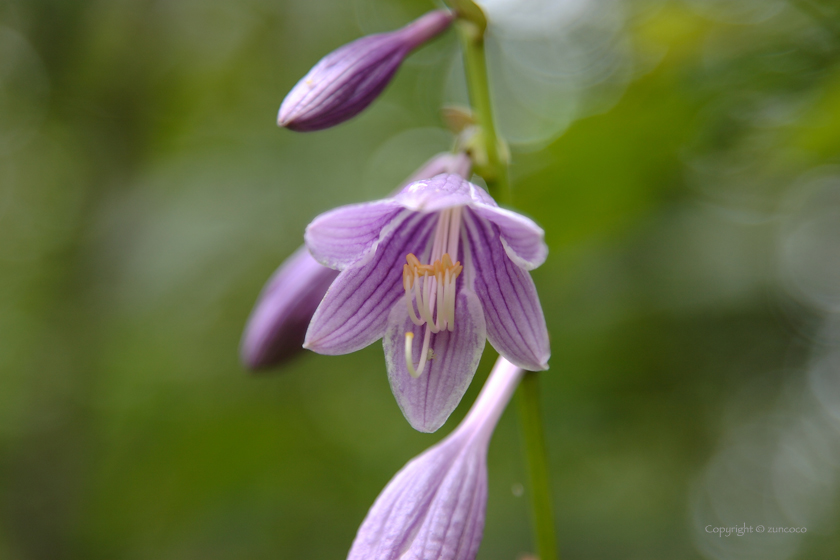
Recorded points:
(347,80)
(434,508)
(277,326)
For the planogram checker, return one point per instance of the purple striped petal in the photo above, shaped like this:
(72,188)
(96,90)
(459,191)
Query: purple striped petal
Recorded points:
(522,239)
(346,81)
(344,236)
(515,322)
(355,310)
(277,326)
(428,400)
(433,509)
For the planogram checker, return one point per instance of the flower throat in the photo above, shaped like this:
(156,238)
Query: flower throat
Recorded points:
(432,286)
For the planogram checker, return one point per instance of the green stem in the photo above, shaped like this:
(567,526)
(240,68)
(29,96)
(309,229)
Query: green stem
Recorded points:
(538,473)
(492,165)
(489,164)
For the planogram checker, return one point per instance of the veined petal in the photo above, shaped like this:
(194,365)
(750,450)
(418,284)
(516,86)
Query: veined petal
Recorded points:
(428,400)
(455,524)
(354,312)
(515,321)
(523,240)
(342,237)
(277,326)
(433,509)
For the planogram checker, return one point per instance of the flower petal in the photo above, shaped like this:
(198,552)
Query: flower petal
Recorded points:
(432,509)
(343,236)
(278,323)
(446,162)
(515,321)
(428,400)
(454,524)
(443,191)
(522,239)
(355,310)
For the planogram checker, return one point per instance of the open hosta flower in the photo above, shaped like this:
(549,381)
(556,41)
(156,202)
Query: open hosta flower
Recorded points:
(433,271)
(276,328)
(433,509)
(347,80)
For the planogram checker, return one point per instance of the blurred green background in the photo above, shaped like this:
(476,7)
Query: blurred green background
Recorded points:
(681,156)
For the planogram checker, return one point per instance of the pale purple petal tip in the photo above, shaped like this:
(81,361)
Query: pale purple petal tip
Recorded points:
(346,81)
(278,323)
(440,192)
(355,310)
(342,237)
(433,509)
(515,321)
(428,400)
(524,241)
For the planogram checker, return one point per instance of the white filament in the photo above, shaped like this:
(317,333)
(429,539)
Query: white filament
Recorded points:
(434,286)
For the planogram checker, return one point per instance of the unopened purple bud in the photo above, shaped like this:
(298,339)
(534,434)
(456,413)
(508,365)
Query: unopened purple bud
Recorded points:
(278,323)
(433,509)
(347,80)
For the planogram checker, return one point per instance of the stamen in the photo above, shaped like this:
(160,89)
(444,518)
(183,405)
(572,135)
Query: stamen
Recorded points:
(424,354)
(454,232)
(434,286)
(449,304)
(409,359)
(441,318)
(408,282)
(423,306)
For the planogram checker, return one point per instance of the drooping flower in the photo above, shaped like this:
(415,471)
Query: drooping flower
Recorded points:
(433,271)
(347,80)
(277,326)
(434,507)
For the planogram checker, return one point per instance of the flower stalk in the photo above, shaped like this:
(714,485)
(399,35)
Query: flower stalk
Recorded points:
(542,513)
(491,162)
(487,149)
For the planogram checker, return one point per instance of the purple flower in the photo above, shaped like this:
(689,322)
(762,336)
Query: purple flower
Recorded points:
(433,271)
(277,326)
(433,509)
(347,80)
(276,329)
